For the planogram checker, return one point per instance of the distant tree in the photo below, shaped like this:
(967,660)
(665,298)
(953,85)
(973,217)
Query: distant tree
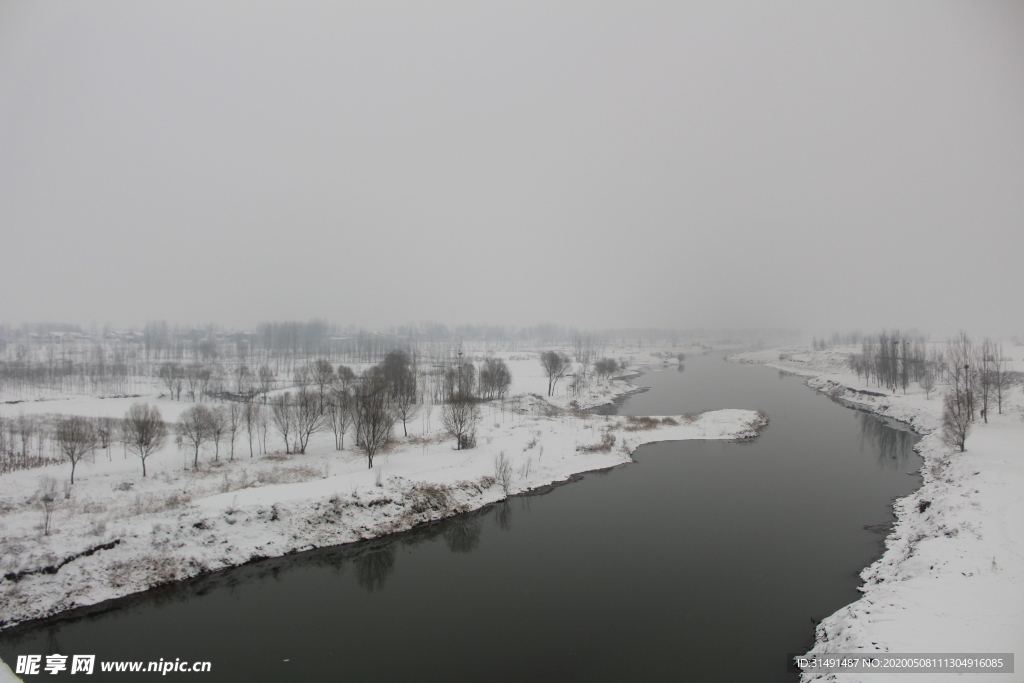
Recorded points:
(196,376)
(262,425)
(170,375)
(243,380)
(606,367)
(195,427)
(144,431)
(236,418)
(219,424)
(374,422)
(25,428)
(988,361)
(495,378)
(75,437)
(252,420)
(106,429)
(215,383)
(322,373)
(459,418)
(1002,378)
(345,377)
(459,380)
(405,401)
(396,368)
(308,417)
(556,365)
(303,377)
(928,382)
(584,347)
(265,376)
(339,414)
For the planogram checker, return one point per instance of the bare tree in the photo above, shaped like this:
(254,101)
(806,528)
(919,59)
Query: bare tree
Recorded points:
(459,417)
(1002,378)
(495,378)
(303,377)
(988,362)
(243,380)
(374,422)
(252,418)
(606,367)
(236,418)
(395,368)
(584,347)
(219,423)
(75,437)
(345,376)
(928,382)
(262,425)
(106,428)
(339,414)
(283,417)
(503,472)
(459,380)
(266,380)
(308,417)
(405,401)
(196,377)
(170,375)
(195,427)
(144,431)
(956,421)
(556,365)
(48,498)
(961,371)
(25,428)
(322,373)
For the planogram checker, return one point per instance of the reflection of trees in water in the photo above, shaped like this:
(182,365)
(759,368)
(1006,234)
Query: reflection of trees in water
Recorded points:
(374,566)
(462,533)
(893,446)
(681,368)
(504,515)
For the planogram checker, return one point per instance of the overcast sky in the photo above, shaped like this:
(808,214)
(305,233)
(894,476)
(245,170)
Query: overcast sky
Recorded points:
(835,165)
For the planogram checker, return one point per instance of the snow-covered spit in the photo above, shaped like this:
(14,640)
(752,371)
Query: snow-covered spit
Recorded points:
(117,533)
(952,577)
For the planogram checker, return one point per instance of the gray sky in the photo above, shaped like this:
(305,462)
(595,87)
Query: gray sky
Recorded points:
(831,165)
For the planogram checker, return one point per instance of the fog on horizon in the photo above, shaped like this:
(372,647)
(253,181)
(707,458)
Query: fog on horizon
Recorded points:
(795,164)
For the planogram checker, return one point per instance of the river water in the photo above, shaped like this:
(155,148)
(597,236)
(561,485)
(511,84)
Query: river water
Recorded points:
(704,561)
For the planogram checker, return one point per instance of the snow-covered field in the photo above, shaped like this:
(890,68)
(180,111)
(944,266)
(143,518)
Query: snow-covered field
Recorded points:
(952,577)
(114,532)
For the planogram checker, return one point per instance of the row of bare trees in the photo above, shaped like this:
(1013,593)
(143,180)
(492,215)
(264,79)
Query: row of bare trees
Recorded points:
(894,361)
(977,376)
(324,398)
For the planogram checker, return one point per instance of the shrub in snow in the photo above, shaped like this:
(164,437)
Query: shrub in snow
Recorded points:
(503,471)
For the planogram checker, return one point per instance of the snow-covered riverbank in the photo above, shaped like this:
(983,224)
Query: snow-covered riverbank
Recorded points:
(117,533)
(952,574)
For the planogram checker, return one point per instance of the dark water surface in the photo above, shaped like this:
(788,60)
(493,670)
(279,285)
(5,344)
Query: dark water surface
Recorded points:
(704,561)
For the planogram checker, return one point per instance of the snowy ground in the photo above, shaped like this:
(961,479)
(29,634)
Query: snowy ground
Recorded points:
(952,577)
(117,533)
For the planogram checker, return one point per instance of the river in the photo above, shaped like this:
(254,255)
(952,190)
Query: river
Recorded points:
(704,561)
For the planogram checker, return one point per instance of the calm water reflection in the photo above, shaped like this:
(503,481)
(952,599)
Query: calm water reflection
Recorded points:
(703,561)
